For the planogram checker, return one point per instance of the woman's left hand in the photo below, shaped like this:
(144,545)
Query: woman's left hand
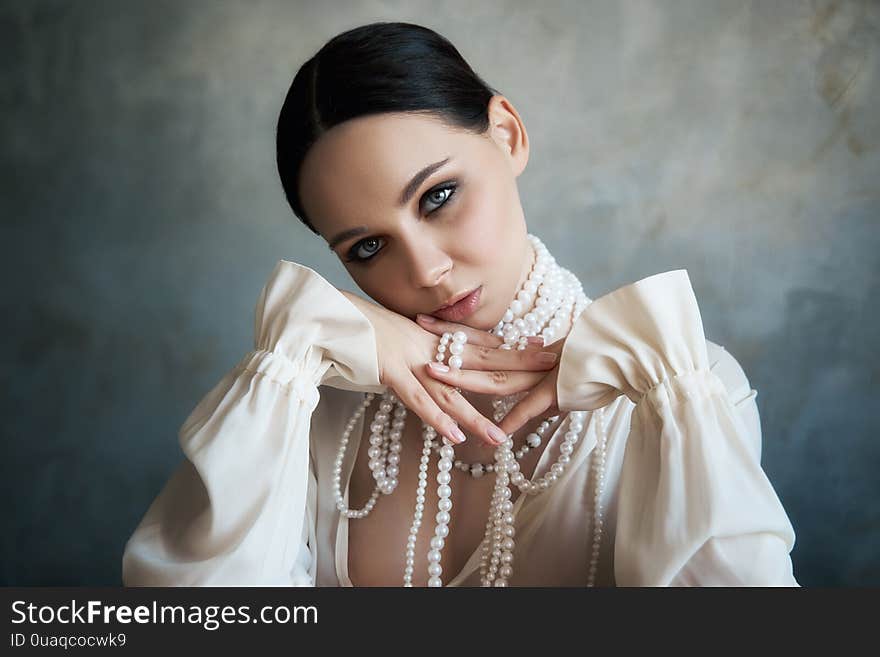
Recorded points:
(540,402)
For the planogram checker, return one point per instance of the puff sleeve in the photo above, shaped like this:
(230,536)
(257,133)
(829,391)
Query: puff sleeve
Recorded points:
(695,507)
(240,510)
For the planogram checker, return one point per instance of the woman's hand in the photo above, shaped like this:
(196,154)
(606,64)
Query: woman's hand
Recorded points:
(540,402)
(403,350)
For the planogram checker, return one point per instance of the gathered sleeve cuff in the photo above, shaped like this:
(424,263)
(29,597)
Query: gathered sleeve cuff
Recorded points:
(240,510)
(303,318)
(629,340)
(694,507)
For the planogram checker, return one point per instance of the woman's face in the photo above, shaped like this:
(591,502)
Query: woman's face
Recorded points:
(420,212)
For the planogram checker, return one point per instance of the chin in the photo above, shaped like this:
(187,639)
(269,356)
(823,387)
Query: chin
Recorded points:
(481,320)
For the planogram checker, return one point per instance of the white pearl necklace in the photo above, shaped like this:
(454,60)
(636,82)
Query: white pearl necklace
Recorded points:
(560,300)
(533,441)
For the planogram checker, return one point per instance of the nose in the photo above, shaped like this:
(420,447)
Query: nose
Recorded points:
(429,263)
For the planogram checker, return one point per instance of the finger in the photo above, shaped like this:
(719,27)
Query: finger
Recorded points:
(474,422)
(416,398)
(484,358)
(538,403)
(495,382)
(474,336)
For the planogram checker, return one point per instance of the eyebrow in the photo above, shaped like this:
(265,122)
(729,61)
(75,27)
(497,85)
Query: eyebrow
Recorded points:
(407,193)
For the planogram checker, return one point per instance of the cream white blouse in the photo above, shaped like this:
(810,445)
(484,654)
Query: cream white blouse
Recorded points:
(685,500)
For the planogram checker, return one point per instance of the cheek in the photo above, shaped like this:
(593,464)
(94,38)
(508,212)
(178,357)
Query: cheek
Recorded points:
(486,222)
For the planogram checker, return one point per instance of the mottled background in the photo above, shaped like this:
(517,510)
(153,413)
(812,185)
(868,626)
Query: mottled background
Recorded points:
(142,215)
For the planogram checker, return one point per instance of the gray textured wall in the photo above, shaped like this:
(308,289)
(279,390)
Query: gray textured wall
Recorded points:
(142,215)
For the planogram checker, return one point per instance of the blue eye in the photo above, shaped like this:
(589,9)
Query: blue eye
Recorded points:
(439,195)
(355,253)
(364,250)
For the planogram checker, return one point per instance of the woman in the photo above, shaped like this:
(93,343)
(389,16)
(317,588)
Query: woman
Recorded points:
(623,447)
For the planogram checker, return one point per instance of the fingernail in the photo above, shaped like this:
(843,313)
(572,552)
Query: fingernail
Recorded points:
(427,319)
(546,357)
(440,367)
(496,434)
(457,434)
(536,339)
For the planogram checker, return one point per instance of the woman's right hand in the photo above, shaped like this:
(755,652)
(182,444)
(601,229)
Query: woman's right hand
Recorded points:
(403,348)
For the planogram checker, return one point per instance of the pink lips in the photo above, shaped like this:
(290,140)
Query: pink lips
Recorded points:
(461,309)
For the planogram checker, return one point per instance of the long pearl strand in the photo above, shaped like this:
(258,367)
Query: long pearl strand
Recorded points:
(598,465)
(560,298)
(436,542)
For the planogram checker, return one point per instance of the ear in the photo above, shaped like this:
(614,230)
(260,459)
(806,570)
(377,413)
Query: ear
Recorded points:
(508,131)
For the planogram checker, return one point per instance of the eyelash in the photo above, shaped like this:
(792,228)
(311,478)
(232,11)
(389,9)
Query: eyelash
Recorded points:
(352,252)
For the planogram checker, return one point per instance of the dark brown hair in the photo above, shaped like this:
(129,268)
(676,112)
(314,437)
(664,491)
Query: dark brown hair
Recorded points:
(375,68)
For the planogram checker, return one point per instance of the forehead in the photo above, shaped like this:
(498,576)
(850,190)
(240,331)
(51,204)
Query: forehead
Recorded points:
(366,162)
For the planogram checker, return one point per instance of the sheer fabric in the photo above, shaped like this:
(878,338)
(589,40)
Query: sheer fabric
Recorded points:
(686,501)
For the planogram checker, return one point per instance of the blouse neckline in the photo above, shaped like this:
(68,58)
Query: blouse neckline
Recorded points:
(473,562)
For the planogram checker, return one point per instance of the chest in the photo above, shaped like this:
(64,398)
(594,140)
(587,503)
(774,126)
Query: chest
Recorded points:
(377,542)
